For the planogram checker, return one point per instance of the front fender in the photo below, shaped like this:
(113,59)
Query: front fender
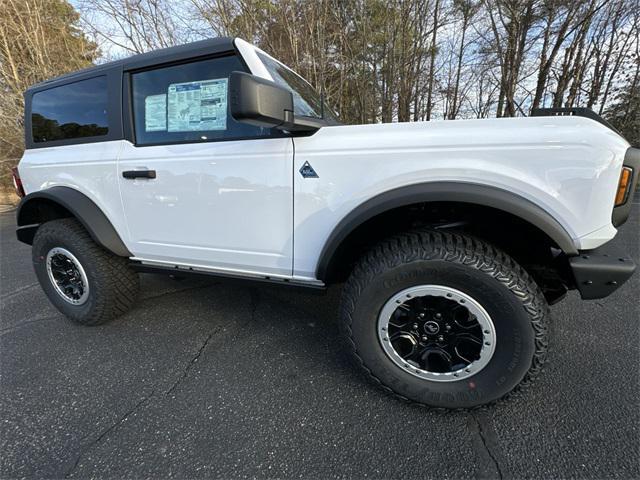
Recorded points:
(443,192)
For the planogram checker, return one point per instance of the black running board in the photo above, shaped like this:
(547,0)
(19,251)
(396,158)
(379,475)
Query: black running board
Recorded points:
(180,271)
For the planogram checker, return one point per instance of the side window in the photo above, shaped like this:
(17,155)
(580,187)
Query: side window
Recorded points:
(306,101)
(75,110)
(188,103)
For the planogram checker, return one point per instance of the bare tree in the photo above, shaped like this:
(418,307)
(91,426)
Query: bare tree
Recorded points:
(466,10)
(135,26)
(39,39)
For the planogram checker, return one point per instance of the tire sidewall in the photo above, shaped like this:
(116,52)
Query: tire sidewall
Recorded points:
(42,245)
(515,337)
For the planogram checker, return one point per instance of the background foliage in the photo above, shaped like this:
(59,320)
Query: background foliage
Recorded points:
(39,39)
(376,60)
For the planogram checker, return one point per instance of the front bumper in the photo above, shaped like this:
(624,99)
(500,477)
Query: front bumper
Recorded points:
(598,273)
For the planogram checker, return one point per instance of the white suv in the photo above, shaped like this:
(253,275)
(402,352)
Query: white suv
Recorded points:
(214,158)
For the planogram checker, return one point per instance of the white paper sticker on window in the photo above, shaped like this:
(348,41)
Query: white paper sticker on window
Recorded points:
(155,113)
(195,106)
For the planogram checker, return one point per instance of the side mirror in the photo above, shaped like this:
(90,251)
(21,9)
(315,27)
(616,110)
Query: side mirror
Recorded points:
(263,103)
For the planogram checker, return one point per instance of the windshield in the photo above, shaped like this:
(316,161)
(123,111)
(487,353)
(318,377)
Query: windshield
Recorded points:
(306,101)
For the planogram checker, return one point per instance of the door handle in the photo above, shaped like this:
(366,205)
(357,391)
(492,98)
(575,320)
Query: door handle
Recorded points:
(133,174)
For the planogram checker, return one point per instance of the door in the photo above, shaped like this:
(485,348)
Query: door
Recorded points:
(198,188)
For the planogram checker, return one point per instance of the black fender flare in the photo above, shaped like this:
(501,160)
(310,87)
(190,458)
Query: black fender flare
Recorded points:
(81,207)
(444,192)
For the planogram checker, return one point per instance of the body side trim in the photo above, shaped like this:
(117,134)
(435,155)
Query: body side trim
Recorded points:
(444,192)
(82,207)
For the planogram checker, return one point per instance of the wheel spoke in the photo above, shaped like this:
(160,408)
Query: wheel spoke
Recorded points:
(460,337)
(462,357)
(400,319)
(404,344)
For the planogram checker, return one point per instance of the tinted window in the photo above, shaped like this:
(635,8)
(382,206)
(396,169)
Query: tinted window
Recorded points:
(75,110)
(188,103)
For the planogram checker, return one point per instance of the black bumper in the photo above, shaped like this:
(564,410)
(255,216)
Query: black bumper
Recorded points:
(598,273)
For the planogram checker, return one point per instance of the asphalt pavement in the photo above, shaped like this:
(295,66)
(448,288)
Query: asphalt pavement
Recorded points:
(207,379)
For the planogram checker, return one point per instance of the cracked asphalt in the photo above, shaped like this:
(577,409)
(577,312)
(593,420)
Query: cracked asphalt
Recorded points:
(206,379)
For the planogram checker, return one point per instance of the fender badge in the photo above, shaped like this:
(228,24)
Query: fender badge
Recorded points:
(307,171)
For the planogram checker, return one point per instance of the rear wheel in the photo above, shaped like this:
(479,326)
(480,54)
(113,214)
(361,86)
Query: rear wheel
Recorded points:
(445,320)
(81,279)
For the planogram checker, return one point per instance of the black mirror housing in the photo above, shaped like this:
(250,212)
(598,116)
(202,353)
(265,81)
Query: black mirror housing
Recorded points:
(263,103)
(259,102)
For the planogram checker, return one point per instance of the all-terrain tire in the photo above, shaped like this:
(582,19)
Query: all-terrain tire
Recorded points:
(509,295)
(112,285)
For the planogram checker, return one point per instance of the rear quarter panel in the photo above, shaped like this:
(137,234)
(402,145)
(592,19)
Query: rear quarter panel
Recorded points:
(89,168)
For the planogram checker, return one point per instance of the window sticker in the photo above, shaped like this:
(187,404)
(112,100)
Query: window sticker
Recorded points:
(155,113)
(195,106)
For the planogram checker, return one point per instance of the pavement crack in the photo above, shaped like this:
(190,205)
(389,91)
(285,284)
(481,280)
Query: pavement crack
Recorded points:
(486,444)
(254,302)
(193,360)
(106,432)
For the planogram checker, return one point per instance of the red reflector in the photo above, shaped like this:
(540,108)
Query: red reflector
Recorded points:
(17,183)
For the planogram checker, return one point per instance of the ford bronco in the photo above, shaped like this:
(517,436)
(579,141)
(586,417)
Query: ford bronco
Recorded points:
(451,238)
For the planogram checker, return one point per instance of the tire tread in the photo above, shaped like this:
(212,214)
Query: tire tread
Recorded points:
(119,284)
(422,245)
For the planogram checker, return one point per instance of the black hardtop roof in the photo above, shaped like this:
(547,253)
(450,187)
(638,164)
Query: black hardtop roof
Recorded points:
(143,60)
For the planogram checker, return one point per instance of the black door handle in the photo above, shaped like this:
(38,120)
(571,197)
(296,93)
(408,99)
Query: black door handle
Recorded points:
(133,174)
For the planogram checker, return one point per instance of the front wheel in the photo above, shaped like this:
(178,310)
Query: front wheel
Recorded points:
(445,320)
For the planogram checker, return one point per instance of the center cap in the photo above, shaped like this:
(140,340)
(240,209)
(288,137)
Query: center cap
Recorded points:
(431,327)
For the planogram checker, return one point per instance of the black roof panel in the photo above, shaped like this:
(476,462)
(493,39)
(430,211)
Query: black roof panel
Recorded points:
(155,57)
